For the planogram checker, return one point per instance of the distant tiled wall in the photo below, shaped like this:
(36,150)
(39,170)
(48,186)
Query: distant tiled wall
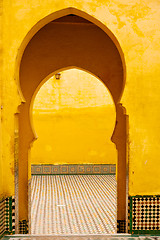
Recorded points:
(144,214)
(7,215)
(74,169)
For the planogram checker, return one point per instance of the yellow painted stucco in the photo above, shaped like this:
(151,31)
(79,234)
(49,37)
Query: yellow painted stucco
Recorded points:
(135,24)
(74,118)
(1,166)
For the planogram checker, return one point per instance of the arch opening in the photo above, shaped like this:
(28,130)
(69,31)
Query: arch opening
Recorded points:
(82,94)
(64,39)
(74,117)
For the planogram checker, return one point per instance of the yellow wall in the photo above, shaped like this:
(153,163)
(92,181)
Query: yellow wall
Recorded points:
(74,118)
(1,183)
(1,61)
(135,24)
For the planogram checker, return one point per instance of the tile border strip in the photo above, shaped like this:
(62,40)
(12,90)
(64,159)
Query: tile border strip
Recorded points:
(13,215)
(7,215)
(73,169)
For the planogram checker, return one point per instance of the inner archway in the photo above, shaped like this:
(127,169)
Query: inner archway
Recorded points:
(71,38)
(74,117)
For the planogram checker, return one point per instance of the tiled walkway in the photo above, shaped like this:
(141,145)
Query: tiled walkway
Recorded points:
(73,204)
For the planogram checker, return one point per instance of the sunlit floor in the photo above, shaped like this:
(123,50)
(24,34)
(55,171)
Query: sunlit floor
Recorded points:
(73,204)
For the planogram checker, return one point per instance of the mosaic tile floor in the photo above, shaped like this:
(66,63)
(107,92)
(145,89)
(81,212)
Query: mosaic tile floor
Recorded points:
(73,204)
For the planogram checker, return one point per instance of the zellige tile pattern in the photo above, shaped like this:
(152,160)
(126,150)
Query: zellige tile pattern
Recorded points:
(146,213)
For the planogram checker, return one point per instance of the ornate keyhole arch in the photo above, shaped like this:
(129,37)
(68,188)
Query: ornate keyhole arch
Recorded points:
(63,39)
